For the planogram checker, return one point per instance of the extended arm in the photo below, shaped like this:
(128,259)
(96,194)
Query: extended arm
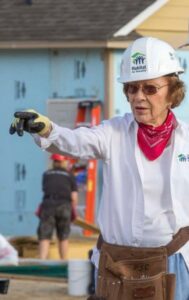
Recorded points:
(86,143)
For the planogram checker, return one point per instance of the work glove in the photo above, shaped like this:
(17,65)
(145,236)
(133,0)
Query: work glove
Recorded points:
(30,121)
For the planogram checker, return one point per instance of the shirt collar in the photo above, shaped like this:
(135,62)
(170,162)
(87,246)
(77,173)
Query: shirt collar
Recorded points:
(131,122)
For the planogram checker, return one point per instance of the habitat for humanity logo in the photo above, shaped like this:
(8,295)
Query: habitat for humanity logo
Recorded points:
(138,60)
(183,157)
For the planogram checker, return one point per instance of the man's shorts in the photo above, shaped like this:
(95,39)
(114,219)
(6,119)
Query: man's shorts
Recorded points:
(54,217)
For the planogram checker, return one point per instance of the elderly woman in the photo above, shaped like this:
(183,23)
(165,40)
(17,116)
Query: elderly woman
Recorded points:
(144,210)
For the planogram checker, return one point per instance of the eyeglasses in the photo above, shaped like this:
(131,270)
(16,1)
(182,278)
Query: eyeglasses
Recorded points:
(147,89)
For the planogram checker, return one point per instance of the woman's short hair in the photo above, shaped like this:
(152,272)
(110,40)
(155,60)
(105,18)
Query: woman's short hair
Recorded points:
(176,91)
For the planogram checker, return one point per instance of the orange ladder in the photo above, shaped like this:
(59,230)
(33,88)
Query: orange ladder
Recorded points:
(90,109)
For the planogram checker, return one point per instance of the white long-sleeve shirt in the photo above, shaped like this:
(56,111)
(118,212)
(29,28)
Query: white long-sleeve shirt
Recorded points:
(125,215)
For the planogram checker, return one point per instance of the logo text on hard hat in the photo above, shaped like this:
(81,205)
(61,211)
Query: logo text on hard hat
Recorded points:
(138,60)
(172,56)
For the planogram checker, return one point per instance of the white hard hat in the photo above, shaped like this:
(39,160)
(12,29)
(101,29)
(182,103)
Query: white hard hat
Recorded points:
(148,58)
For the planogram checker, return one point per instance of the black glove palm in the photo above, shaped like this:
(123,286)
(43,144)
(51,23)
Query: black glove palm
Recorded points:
(29,121)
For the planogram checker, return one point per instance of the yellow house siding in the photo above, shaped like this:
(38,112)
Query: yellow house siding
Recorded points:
(174,38)
(165,24)
(173,11)
(169,23)
(179,2)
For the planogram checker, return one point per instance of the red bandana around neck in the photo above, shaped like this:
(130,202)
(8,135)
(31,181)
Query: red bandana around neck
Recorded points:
(153,140)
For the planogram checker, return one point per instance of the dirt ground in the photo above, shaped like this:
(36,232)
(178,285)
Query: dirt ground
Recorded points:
(41,290)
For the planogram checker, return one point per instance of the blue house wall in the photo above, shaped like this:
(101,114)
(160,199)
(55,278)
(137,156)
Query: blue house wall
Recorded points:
(28,79)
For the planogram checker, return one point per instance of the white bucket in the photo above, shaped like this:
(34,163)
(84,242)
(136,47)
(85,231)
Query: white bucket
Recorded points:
(79,272)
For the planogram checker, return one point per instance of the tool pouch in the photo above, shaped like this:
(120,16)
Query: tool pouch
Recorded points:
(153,288)
(132,273)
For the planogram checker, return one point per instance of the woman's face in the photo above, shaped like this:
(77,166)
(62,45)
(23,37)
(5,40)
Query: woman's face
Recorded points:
(149,100)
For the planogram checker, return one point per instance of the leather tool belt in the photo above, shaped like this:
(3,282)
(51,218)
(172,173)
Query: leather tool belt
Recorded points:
(131,273)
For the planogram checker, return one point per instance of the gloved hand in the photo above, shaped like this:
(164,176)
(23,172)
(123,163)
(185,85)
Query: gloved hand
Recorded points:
(30,121)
